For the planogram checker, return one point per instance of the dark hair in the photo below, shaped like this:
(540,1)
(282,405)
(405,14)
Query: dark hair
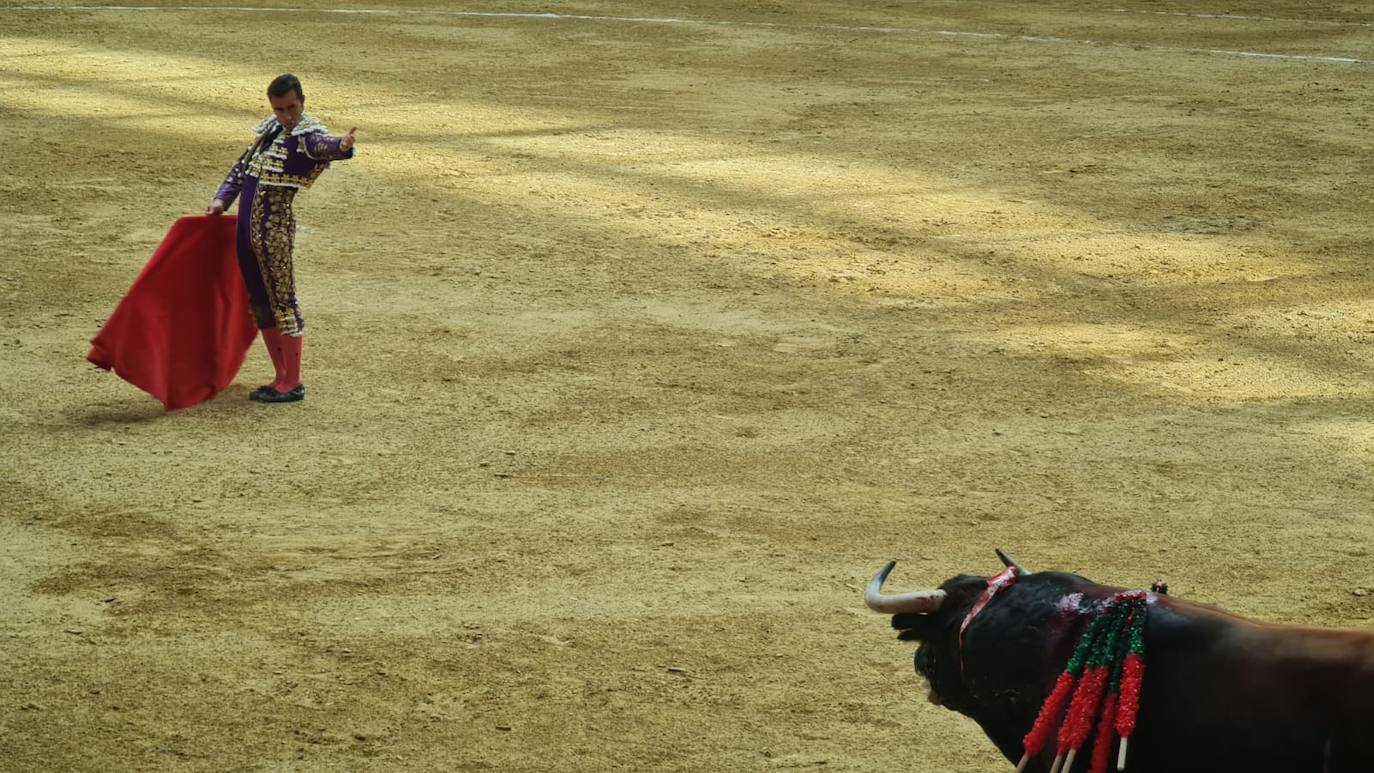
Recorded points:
(285,84)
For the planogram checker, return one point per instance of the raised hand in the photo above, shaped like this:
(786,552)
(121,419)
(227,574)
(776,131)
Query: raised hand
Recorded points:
(346,143)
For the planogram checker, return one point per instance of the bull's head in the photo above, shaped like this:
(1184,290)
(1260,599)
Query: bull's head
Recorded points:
(998,669)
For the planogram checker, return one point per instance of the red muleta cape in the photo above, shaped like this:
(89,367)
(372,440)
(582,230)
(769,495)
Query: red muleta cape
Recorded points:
(182,331)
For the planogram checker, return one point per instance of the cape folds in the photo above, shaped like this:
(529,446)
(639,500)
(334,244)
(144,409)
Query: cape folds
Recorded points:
(183,330)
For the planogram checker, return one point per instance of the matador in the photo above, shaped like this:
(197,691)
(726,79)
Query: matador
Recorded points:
(289,151)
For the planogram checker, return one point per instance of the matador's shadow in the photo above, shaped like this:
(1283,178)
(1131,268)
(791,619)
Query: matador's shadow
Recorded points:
(145,409)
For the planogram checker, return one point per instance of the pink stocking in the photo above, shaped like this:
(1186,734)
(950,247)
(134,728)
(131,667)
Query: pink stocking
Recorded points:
(291,364)
(271,338)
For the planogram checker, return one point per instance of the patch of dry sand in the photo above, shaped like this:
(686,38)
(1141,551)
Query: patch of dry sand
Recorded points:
(635,347)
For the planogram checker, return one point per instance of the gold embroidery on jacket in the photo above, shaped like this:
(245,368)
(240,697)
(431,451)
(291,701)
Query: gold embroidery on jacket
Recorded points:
(268,163)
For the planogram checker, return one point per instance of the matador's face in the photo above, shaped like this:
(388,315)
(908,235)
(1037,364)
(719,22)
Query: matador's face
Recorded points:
(288,109)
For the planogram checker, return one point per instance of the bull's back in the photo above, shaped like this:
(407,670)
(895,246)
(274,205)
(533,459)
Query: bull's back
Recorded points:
(1222,693)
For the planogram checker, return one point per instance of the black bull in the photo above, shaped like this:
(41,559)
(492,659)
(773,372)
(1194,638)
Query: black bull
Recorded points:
(1221,693)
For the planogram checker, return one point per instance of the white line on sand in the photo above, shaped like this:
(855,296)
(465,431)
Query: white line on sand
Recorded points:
(709,23)
(1242,17)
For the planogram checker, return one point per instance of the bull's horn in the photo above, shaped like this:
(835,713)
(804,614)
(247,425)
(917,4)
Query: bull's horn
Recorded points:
(924,601)
(1010,563)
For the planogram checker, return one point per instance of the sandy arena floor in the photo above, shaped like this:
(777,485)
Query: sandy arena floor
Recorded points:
(641,334)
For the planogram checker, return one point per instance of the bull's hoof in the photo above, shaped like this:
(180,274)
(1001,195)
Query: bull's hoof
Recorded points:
(269,395)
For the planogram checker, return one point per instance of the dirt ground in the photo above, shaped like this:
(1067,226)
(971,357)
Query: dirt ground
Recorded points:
(640,335)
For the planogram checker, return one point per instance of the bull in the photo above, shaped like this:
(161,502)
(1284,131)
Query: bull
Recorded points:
(1221,693)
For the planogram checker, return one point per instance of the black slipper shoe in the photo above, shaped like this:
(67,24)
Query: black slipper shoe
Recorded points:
(269,395)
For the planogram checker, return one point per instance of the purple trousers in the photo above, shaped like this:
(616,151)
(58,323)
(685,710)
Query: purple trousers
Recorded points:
(266,233)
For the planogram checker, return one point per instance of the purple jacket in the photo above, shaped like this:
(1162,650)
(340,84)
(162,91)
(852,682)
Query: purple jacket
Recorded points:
(283,159)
